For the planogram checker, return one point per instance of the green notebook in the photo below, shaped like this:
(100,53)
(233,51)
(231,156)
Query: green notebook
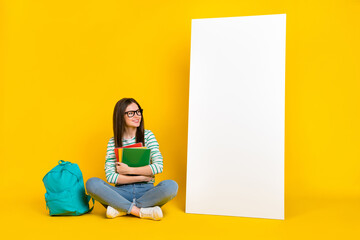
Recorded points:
(136,157)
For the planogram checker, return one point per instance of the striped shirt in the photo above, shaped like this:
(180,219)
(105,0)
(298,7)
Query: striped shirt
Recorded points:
(156,159)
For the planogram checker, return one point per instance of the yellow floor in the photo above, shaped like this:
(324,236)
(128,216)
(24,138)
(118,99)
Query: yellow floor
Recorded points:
(305,219)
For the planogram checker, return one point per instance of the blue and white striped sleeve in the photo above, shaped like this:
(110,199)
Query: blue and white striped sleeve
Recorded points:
(110,162)
(156,159)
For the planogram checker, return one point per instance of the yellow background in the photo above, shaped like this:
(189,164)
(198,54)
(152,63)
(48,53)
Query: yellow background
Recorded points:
(64,65)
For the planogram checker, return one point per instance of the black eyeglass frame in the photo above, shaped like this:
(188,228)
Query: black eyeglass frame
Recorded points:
(138,112)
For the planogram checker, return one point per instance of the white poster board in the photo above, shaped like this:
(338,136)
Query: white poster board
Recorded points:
(235,158)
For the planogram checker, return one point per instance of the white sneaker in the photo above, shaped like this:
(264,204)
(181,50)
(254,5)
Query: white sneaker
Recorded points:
(113,213)
(154,213)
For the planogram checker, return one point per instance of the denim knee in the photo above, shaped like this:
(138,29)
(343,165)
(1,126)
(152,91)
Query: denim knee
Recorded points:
(171,186)
(92,184)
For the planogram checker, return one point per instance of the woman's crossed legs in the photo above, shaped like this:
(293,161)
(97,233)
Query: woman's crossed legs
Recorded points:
(130,198)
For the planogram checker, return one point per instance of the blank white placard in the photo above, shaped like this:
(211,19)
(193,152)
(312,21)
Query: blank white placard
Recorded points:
(235,158)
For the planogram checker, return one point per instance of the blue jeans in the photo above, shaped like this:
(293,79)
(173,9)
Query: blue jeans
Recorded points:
(124,197)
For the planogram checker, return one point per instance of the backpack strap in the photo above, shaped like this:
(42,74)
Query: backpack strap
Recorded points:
(93,200)
(62,162)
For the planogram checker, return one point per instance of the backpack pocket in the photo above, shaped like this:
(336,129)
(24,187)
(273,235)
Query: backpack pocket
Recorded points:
(60,203)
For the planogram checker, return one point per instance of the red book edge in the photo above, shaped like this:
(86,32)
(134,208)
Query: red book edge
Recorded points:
(134,145)
(130,146)
(116,154)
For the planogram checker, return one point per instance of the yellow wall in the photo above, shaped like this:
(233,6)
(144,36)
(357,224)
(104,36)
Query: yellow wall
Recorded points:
(64,65)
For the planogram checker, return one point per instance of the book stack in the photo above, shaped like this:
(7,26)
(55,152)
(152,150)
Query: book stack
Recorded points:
(134,155)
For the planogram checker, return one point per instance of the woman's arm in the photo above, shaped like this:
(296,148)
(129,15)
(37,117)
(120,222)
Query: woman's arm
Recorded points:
(145,171)
(110,159)
(122,168)
(123,179)
(155,154)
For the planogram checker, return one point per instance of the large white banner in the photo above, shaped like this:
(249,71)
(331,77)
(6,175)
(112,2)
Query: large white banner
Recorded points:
(235,162)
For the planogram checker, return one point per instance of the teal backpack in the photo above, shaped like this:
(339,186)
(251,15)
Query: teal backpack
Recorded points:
(65,192)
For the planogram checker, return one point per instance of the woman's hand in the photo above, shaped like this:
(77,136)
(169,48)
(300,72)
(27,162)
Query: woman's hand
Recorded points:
(146,178)
(123,168)
(125,179)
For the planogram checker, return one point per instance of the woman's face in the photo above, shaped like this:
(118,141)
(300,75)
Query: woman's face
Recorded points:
(135,120)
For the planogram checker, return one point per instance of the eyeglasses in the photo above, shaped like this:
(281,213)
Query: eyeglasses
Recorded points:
(138,112)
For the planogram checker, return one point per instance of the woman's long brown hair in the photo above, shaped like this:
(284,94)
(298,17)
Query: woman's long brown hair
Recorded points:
(119,122)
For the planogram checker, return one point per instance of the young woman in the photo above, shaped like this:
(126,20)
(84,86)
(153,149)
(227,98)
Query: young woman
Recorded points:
(134,191)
